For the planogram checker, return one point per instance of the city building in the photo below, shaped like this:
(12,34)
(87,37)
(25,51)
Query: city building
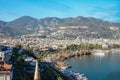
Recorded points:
(5,54)
(6,72)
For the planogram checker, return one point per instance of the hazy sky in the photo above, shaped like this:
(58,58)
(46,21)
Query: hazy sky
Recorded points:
(103,9)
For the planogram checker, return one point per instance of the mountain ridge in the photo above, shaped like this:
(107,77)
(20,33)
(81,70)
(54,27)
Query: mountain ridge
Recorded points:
(27,24)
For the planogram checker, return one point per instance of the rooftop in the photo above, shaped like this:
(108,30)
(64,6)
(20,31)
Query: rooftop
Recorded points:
(5,68)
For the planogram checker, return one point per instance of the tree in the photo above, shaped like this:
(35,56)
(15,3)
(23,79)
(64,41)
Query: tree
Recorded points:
(18,46)
(20,60)
(59,78)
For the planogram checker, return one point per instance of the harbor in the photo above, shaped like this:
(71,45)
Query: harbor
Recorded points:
(65,69)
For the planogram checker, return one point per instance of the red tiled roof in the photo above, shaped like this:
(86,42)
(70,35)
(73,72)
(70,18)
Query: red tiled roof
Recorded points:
(5,68)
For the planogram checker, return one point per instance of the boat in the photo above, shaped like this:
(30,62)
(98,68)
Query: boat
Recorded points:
(84,78)
(76,76)
(99,53)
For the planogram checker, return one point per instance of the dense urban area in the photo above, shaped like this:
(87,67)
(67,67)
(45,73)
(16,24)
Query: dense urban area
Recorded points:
(18,56)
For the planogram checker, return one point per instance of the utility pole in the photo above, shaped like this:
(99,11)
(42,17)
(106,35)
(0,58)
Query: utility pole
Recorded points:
(37,74)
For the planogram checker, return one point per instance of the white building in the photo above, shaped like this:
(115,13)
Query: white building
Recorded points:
(5,54)
(104,46)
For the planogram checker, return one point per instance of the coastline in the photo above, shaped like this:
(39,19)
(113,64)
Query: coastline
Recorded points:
(88,52)
(66,55)
(98,60)
(63,66)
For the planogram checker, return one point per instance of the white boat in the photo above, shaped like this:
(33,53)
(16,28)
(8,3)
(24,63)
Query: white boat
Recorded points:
(77,76)
(82,74)
(100,54)
(84,78)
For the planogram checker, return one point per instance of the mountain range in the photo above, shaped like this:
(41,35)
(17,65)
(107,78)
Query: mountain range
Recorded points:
(87,25)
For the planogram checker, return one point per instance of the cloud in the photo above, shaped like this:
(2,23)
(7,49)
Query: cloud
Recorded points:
(111,13)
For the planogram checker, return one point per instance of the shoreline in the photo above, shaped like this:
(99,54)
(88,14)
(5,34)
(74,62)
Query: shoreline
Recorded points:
(67,55)
(89,52)
(61,56)
(76,54)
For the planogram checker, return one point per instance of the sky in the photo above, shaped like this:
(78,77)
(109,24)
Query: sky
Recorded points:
(104,9)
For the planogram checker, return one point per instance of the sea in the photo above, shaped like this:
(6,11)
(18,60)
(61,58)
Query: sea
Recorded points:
(96,67)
